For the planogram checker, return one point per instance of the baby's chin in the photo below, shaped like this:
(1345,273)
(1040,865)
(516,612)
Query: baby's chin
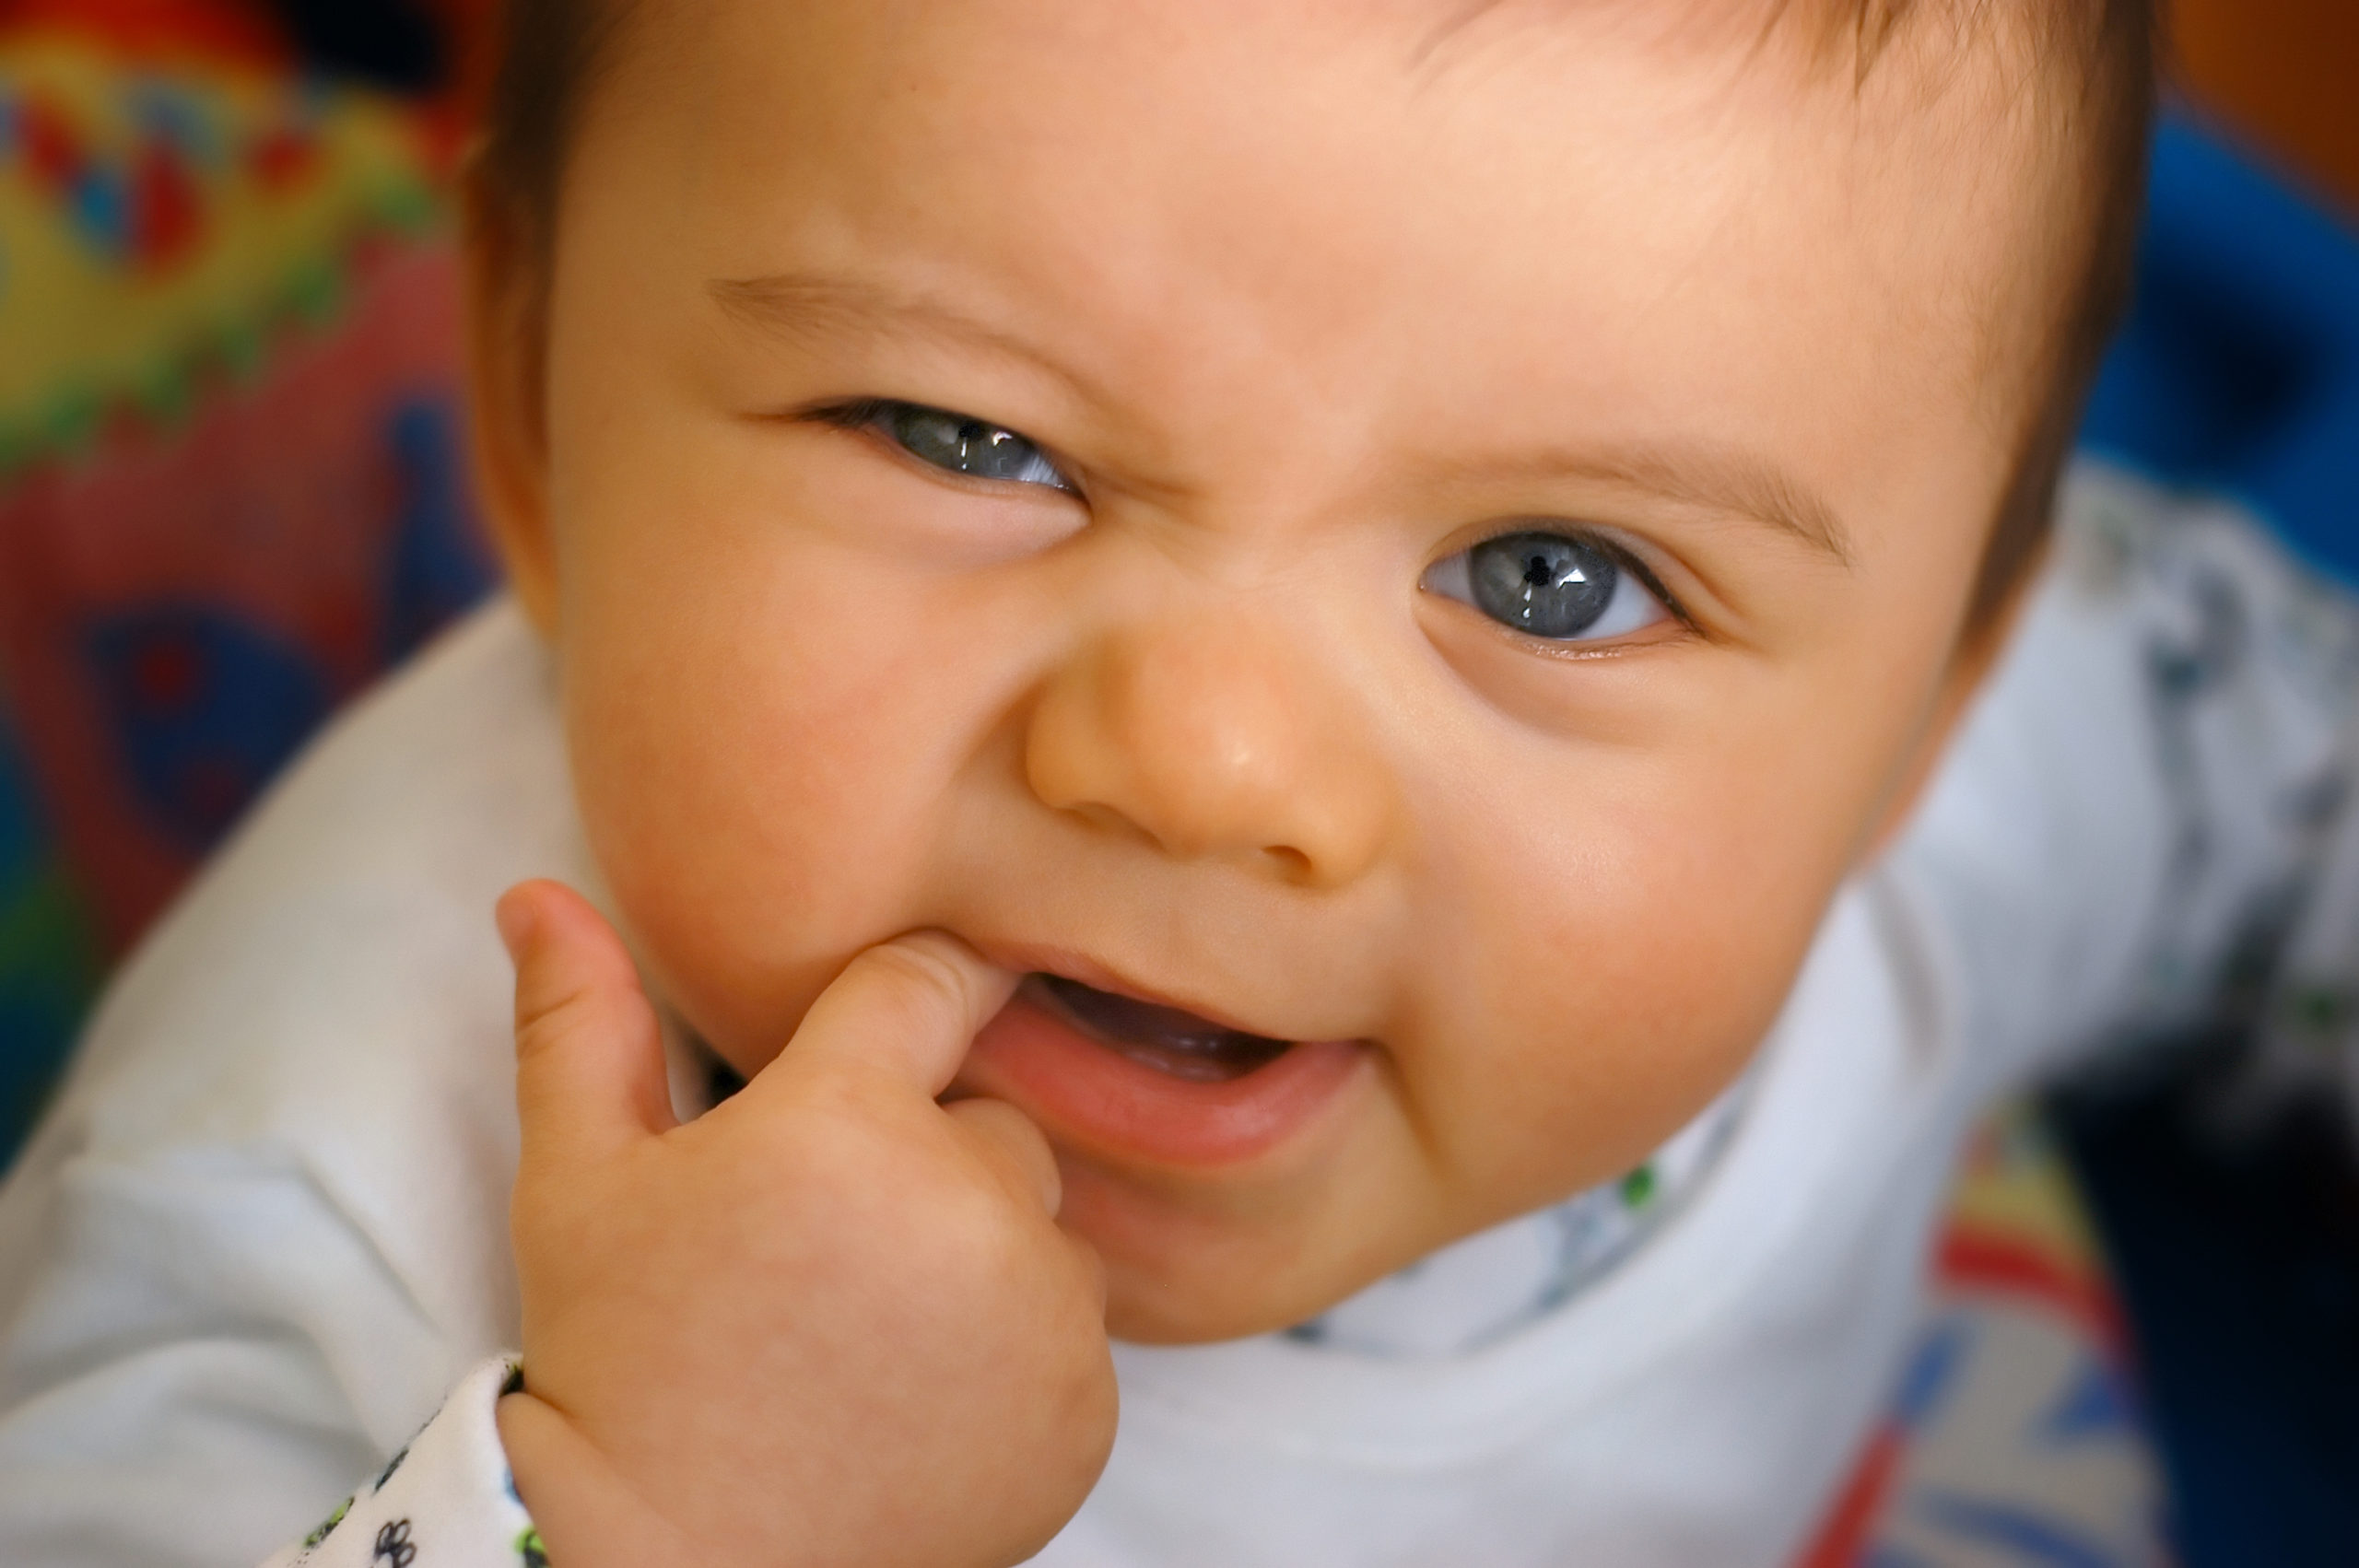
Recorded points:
(1184,1289)
(1195,1266)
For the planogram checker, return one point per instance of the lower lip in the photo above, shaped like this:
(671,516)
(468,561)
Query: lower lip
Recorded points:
(1094,1096)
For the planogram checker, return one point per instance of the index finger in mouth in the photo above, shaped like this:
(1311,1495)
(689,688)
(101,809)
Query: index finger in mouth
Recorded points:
(911,1005)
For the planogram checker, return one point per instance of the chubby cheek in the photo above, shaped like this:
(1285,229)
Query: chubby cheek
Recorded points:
(760,768)
(1610,975)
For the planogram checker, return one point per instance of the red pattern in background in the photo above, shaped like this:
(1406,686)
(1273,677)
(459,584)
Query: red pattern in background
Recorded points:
(276,504)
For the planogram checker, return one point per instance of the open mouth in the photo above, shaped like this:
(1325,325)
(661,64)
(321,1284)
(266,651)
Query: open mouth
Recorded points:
(1166,1039)
(1114,1076)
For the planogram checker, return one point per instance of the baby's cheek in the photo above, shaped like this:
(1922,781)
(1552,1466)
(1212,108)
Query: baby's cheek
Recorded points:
(756,825)
(1602,982)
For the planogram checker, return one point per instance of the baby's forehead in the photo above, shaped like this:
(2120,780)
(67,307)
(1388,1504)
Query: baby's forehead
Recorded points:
(1848,37)
(1341,134)
(1851,92)
(1891,66)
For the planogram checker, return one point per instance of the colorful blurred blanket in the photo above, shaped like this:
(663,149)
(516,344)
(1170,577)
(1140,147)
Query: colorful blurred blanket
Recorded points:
(232,483)
(2016,1435)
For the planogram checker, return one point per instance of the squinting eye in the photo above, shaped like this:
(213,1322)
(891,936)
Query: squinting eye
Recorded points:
(961,445)
(1548,585)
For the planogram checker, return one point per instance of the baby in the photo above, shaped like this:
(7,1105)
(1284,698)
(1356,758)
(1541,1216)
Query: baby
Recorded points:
(1216,648)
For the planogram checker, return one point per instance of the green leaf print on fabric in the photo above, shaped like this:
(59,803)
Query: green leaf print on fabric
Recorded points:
(331,1522)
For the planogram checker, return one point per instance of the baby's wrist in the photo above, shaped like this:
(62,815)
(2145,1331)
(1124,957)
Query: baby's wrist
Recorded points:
(588,1514)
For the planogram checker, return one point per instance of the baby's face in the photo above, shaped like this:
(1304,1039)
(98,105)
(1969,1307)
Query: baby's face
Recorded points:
(1442,550)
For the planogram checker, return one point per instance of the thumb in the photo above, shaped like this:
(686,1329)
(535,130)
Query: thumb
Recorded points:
(590,1071)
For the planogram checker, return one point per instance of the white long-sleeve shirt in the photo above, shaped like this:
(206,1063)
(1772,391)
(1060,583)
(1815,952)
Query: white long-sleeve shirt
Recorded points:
(263,1235)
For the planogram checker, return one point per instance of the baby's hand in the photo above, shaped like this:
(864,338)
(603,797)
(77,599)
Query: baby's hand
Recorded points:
(829,1322)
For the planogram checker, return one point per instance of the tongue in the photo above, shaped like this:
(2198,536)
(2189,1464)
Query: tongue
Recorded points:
(1162,1037)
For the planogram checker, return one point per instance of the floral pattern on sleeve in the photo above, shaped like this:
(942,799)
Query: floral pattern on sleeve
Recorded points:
(446,1499)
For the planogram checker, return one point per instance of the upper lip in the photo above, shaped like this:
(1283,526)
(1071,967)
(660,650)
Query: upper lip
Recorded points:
(1071,964)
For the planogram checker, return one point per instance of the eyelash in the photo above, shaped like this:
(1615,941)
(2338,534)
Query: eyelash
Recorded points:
(859,412)
(1629,562)
(871,413)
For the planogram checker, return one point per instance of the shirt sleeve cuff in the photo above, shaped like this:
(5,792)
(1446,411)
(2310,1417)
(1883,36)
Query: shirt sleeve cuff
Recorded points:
(446,1500)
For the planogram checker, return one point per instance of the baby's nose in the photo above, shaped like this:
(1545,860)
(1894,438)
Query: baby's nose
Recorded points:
(1215,738)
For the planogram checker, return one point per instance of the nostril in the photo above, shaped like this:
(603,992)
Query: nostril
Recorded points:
(1107,819)
(1289,861)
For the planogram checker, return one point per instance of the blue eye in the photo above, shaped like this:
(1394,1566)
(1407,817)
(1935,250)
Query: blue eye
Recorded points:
(1553,586)
(959,444)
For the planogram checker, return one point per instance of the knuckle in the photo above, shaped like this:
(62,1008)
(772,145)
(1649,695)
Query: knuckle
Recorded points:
(924,970)
(920,977)
(843,1107)
(542,1022)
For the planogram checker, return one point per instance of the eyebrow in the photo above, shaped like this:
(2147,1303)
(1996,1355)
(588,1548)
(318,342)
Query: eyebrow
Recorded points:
(1727,480)
(805,304)
(1712,478)
(1715,478)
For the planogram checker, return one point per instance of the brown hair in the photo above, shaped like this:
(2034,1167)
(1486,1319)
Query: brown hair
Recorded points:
(552,51)
(2112,115)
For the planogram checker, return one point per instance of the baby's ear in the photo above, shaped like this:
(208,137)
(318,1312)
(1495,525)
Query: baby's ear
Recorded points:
(507,295)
